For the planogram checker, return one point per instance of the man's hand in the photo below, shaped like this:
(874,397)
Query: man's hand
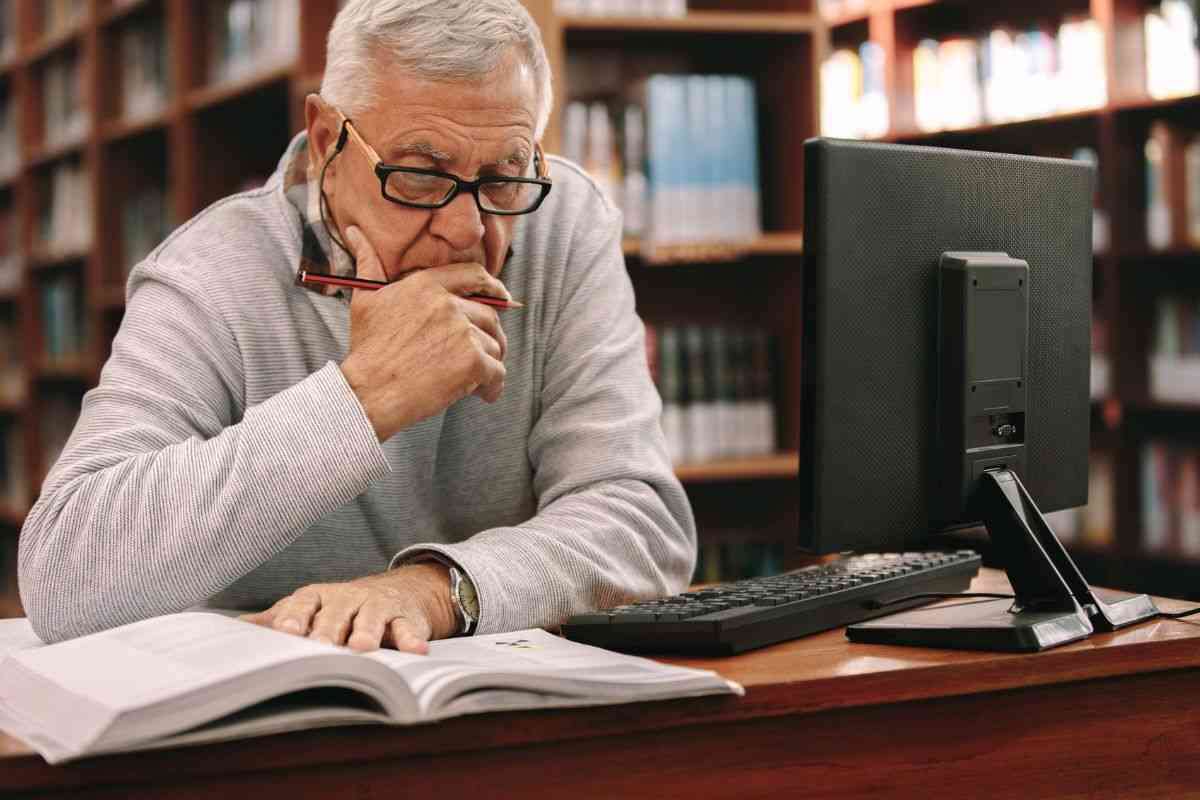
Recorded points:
(417,346)
(404,608)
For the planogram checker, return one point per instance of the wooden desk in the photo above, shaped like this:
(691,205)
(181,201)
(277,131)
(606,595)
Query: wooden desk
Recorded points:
(1112,717)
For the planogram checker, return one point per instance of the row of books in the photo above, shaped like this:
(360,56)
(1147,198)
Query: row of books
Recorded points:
(1172,57)
(62,316)
(1171,498)
(622,8)
(1170,225)
(65,221)
(681,160)
(1092,525)
(145,221)
(64,100)
(717,390)
(145,68)
(737,559)
(1175,360)
(249,36)
(965,81)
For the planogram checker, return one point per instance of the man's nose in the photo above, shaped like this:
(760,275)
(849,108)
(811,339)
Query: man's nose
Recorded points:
(460,223)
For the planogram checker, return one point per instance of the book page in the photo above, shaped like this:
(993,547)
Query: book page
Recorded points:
(16,635)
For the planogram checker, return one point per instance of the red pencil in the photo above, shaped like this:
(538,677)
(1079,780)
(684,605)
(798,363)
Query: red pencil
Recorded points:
(362,283)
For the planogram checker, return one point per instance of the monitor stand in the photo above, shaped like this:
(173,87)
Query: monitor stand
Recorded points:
(1053,604)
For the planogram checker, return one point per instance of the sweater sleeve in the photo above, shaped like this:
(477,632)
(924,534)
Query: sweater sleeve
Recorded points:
(613,522)
(167,491)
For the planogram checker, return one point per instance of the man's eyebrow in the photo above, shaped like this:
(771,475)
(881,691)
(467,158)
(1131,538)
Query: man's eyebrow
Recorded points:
(518,157)
(419,149)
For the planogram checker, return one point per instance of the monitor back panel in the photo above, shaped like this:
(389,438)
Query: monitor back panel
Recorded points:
(877,219)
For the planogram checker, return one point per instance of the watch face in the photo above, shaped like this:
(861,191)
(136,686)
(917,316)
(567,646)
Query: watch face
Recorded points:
(467,596)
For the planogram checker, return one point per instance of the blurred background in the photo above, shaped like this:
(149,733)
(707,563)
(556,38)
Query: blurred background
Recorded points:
(120,119)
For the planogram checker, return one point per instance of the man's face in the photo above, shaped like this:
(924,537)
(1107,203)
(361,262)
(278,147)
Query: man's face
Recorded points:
(465,129)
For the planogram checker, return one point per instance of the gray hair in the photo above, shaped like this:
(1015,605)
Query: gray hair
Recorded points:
(438,40)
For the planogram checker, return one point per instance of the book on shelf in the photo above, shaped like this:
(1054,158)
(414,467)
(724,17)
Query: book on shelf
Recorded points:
(1158,204)
(1171,499)
(621,8)
(1101,375)
(64,100)
(202,677)
(145,69)
(10,253)
(854,93)
(10,137)
(14,484)
(65,221)
(716,385)
(1101,231)
(1175,358)
(12,366)
(62,317)
(1172,58)
(247,37)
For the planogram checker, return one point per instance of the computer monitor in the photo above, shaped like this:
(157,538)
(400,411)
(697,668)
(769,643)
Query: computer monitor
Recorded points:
(945,359)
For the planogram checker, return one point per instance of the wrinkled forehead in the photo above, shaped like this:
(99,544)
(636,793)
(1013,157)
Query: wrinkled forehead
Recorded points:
(500,104)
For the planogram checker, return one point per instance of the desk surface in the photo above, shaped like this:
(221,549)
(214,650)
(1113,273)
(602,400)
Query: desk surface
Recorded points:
(817,703)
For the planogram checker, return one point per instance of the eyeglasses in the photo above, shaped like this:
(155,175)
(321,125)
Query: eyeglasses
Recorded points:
(430,189)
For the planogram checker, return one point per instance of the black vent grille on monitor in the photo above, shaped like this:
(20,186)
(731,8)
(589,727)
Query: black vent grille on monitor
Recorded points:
(878,217)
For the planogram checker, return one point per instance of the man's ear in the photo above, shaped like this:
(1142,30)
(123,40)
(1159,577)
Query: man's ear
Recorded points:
(322,127)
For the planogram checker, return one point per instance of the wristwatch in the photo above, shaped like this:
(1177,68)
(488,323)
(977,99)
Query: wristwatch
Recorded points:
(465,600)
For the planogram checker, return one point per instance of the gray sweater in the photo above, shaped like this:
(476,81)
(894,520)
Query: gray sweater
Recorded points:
(223,459)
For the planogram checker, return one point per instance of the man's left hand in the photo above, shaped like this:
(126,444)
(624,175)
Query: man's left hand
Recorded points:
(404,608)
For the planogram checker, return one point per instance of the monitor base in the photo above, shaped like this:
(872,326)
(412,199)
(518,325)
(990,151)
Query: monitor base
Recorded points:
(1052,603)
(975,625)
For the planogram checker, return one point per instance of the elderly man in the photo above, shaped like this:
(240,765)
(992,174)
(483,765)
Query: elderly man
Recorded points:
(377,467)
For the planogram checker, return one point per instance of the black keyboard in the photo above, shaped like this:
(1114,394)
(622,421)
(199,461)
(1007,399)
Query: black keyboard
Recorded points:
(733,617)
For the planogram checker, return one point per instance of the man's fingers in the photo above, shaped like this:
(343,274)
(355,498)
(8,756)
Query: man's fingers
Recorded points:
(370,624)
(367,261)
(487,320)
(464,279)
(336,618)
(405,639)
(293,614)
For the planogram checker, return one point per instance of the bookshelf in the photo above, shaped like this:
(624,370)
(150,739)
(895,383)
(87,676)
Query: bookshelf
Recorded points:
(207,138)
(1132,274)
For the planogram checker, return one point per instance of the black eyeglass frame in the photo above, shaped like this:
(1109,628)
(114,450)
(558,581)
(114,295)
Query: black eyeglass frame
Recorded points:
(382,171)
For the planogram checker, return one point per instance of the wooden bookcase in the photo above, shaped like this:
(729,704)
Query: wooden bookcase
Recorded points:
(1128,276)
(211,140)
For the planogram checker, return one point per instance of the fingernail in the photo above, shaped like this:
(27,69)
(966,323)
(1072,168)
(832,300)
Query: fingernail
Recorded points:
(323,639)
(352,233)
(290,625)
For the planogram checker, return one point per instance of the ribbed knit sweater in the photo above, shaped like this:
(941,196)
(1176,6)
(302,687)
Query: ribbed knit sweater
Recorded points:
(223,459)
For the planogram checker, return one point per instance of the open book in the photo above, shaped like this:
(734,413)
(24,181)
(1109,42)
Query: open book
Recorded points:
(203,677)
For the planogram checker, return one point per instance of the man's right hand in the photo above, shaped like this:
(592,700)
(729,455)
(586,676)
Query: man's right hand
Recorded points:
(417,346)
